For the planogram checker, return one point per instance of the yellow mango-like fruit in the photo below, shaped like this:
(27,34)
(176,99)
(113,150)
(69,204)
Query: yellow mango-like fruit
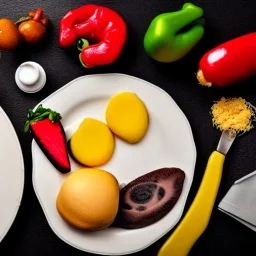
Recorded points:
(127,117)
(93,143)
(88,199)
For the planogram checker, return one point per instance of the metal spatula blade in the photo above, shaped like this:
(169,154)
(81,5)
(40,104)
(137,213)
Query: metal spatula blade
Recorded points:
(225,142)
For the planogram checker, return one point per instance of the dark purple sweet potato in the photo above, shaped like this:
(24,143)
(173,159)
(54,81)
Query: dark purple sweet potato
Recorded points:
(149,198)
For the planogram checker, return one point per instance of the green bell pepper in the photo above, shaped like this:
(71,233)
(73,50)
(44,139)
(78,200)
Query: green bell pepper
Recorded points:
(168,40)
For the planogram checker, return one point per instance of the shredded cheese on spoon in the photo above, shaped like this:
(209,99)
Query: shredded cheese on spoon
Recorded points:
(233,114)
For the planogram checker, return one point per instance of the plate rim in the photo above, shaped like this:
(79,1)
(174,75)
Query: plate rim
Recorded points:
(19,198)
(189,185)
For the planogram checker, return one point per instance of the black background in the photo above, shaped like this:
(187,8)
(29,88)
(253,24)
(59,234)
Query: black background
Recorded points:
(30,233)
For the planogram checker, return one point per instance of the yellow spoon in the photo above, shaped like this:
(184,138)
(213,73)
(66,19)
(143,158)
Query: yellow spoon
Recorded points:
(197,218)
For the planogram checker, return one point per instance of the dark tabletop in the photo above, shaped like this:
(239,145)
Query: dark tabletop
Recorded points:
(30,233)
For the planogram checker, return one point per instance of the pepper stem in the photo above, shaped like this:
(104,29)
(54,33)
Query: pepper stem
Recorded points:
(82,63)
(82,43)
(201,79)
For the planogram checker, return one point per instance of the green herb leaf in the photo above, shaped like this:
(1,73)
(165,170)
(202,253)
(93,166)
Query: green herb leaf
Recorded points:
(22,19)
(26,126)
(39,114)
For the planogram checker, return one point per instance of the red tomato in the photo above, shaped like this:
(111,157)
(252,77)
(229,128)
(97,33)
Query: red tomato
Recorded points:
(32,31)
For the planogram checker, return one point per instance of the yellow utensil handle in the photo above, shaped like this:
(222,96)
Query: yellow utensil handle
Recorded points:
(196,219)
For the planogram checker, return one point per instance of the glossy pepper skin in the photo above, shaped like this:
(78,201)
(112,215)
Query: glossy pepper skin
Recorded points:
(101,26)
(165,41)
(229,63)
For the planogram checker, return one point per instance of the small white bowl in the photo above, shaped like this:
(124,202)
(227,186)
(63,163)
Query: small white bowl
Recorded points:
(30,77)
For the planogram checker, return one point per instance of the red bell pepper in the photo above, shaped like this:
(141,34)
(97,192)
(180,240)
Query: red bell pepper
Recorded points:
(229,63)
(101,26)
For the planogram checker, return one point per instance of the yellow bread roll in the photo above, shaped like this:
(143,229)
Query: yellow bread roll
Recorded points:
(127,117)
(93,143)
(88,199)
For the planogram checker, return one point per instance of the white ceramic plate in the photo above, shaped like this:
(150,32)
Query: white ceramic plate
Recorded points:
(168,143)
(11,174)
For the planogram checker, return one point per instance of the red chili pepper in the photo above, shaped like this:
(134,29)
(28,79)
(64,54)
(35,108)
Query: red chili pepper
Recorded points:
(100,25)
(229,63)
